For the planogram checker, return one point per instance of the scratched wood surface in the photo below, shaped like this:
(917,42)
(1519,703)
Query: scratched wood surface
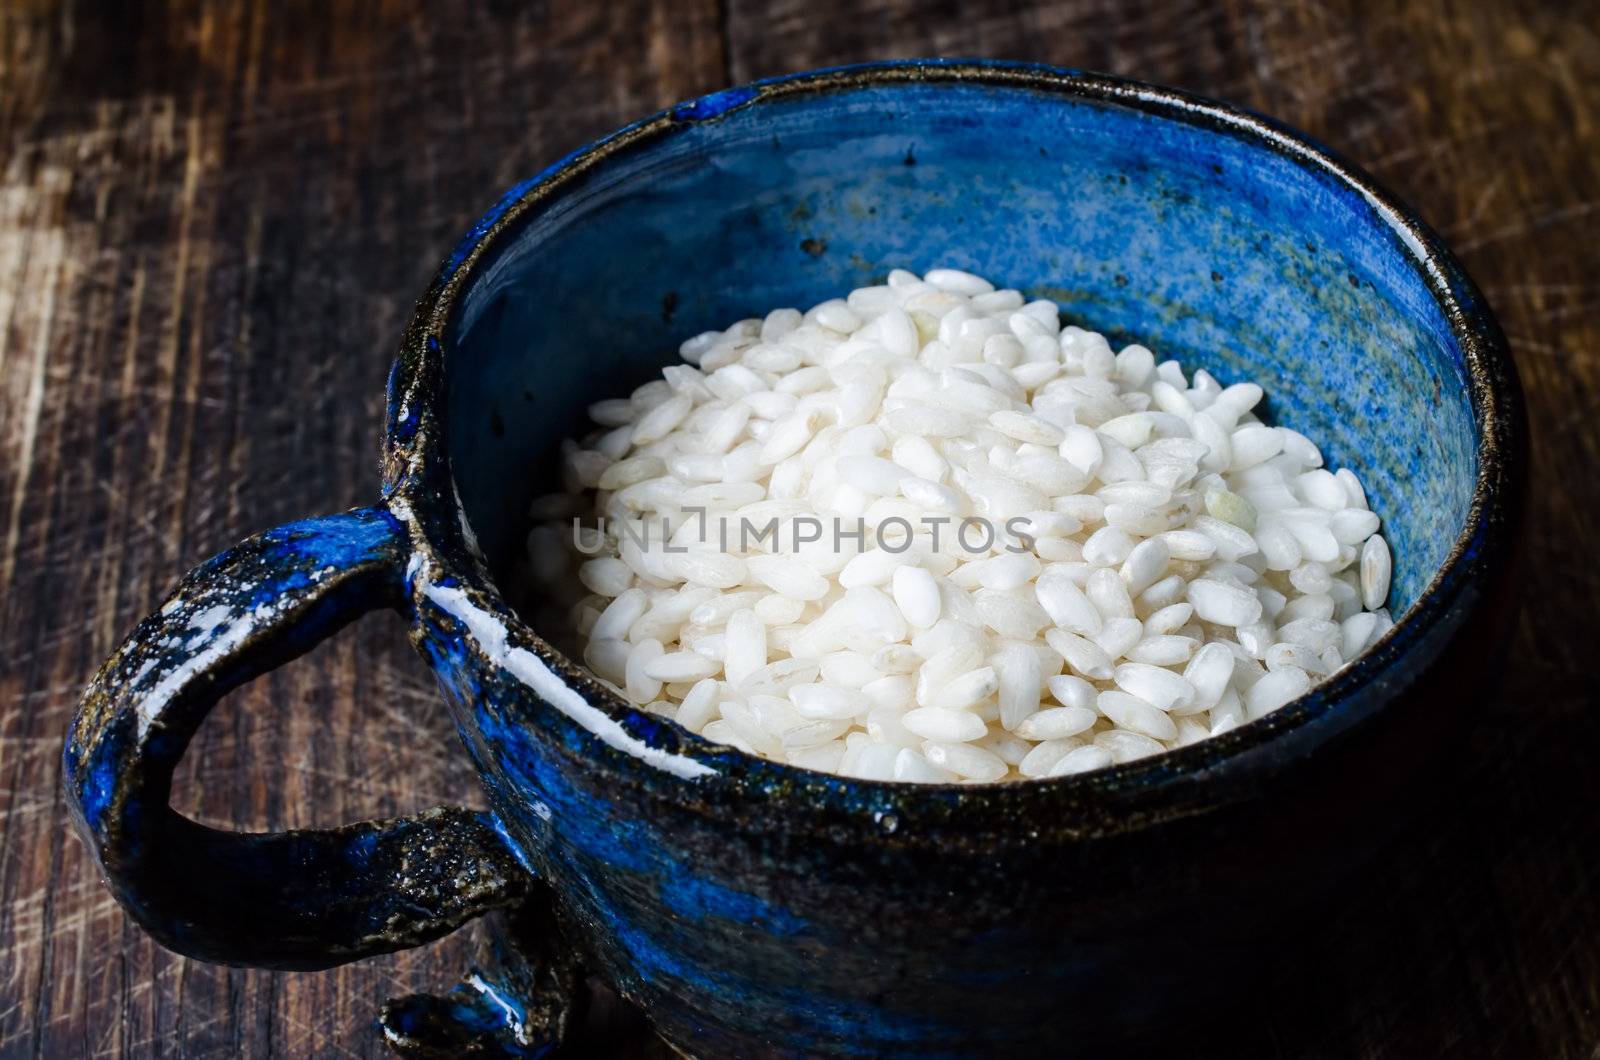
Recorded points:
(213,217)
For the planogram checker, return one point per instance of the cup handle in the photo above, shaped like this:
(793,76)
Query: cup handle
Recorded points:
(301,899)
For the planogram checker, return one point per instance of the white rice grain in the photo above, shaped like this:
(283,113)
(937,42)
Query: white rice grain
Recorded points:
(1159,562)
(944,724)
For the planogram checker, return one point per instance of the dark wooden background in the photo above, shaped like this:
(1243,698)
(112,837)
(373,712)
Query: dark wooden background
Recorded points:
(213,217)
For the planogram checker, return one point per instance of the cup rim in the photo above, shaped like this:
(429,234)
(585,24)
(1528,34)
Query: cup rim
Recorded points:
(418,486)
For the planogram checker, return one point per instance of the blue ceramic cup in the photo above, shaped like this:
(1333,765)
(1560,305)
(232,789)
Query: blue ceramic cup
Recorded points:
(752,908)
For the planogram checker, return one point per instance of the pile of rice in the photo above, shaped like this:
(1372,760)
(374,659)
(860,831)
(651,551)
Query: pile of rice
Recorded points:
(1161,565)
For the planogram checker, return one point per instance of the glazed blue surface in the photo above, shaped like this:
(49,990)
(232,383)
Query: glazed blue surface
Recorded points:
(301,899)
(1216,251)
(754,908)
(1225,252)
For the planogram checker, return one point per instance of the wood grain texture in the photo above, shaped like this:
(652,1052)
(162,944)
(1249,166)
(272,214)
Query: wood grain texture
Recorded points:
(213,217)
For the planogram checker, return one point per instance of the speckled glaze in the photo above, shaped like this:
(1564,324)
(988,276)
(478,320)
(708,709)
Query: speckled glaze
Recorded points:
(753,908)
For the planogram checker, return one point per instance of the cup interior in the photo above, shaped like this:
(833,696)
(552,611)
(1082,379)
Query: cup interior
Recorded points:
(1152,222)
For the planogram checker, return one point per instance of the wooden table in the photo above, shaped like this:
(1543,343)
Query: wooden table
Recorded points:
(213,217)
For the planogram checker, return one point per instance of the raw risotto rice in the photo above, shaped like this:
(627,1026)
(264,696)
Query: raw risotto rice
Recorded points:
(926,533)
